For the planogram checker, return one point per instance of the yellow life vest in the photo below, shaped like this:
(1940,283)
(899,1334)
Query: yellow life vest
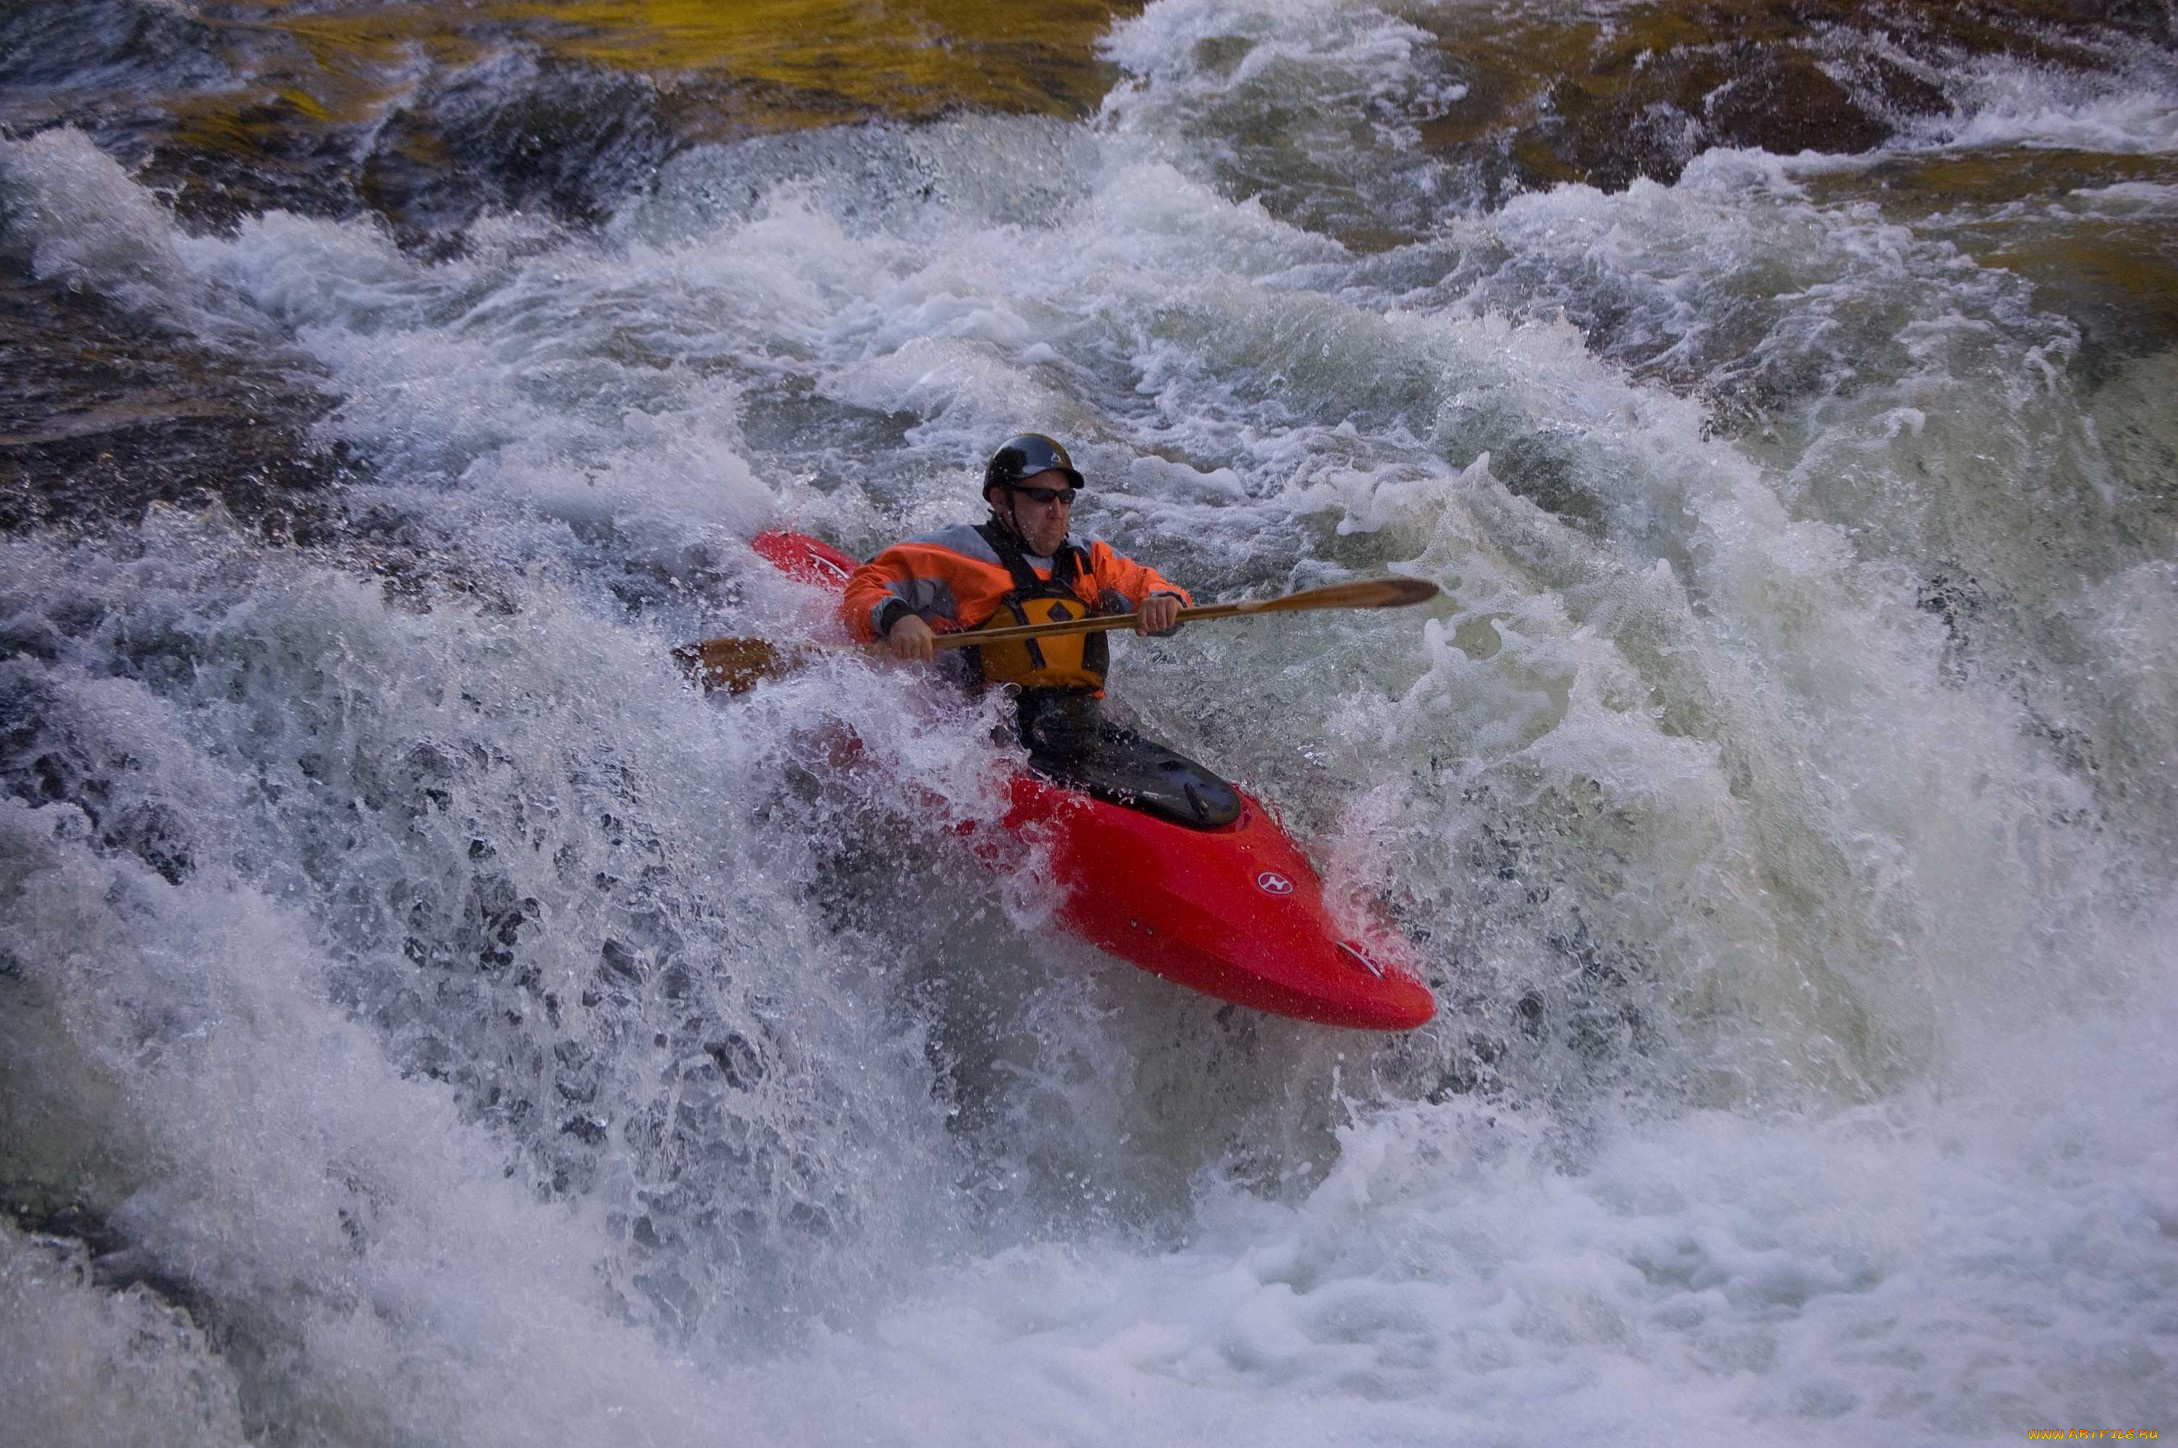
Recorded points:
(1069,661)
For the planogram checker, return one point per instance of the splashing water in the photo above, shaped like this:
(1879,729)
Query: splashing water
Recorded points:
(424,1019)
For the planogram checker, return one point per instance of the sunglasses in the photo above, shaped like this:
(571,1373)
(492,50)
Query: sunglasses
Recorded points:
(1049,495)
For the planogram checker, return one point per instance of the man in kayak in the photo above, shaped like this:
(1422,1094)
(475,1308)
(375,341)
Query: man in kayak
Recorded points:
(1020,566)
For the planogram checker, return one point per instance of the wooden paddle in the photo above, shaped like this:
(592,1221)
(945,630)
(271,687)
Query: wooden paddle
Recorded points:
(737,665)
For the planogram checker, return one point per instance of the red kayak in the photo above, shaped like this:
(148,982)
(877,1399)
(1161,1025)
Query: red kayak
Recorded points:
(1234,910)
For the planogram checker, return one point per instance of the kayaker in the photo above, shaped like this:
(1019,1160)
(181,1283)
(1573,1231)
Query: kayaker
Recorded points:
(1022,566)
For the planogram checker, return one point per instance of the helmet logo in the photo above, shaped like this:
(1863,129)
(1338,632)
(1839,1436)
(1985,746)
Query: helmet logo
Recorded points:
(1270,882)
(1024,457)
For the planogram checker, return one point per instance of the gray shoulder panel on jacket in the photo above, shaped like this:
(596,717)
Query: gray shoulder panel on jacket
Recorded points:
(961,538)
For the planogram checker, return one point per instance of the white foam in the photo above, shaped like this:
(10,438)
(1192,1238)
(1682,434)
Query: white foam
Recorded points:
(1877,1274)
(286,1167)
(2012,104)
(76,218)
(1782,945)
(93,1366)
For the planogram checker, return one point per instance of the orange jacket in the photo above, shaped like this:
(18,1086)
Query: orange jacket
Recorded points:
(953,579)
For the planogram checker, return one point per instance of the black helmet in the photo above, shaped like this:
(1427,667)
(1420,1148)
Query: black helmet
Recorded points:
(1023,457)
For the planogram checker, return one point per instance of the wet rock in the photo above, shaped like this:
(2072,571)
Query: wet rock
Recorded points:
(107,47)
(1553,99)
(1648,113)
(103,415)
(515,135)
(1781,101)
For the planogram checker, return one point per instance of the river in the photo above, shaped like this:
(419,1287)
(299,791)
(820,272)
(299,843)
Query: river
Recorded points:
(425,1019)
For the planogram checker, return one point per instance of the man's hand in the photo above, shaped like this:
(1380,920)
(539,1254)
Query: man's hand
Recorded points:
(1157,614)
(911,638)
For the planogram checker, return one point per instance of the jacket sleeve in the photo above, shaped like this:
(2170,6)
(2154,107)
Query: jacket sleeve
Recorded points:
(1133,581)
(903,579)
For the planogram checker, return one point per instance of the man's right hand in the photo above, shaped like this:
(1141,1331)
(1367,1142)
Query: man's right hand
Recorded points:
(911,638)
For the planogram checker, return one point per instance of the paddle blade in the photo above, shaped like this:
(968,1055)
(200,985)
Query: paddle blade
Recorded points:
(735,665)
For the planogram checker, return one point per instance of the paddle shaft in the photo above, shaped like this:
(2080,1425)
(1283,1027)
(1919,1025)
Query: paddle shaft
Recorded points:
(1372,593)
(1095,623)
(737,664)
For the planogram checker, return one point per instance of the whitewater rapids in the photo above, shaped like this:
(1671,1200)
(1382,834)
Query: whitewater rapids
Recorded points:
(425,1019)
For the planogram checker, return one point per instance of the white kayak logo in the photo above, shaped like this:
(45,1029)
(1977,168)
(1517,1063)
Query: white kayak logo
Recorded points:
(1270,882)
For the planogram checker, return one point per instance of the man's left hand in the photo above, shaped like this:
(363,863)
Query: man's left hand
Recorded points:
(1158,614)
